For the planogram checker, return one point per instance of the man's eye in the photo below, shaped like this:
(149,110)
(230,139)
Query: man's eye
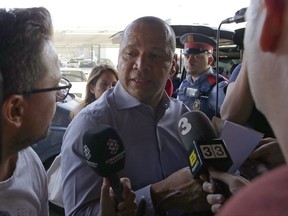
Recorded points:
(130,54)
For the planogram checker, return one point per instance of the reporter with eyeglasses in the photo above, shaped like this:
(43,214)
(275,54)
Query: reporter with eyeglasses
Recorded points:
(32,84)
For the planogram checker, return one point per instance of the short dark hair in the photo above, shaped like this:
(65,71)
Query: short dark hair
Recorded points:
(23,33)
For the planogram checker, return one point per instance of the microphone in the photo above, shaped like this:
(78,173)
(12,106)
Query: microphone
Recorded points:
(205,149)
(239,17)
(105,154)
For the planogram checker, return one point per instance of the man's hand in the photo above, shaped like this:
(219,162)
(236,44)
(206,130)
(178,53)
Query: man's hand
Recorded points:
(180,191)
(269,153)
(235,183)
(108,206)
(265,157)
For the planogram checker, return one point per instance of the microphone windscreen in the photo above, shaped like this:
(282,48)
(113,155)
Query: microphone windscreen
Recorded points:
(195,126)
(104,150)
(199,136)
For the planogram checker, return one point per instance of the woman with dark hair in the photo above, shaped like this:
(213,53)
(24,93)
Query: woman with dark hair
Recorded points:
(101,78)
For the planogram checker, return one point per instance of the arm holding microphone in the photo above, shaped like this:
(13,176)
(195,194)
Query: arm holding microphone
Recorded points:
(108,207)
(206,150)
(216,200)
(208,154)
(199,138)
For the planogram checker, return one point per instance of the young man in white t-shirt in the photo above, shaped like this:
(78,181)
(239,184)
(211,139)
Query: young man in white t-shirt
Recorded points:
(31,76)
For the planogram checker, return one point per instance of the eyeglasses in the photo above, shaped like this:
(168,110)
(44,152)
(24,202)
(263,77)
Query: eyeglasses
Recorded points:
(62,89)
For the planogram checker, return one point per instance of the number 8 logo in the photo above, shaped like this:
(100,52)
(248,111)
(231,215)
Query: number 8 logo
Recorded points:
(184,125)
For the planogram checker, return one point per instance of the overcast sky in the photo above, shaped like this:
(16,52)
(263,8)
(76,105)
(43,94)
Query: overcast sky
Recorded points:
(111,14)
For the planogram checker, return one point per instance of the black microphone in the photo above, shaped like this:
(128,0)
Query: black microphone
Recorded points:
(205,149)
(239,17)
(105,154)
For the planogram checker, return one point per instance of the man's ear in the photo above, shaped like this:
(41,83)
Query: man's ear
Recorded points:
(210,59)
(174,63)
(273,25)
(13,110)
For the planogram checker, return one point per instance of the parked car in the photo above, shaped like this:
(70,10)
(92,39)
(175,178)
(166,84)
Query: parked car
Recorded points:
(73,62)
(78,80)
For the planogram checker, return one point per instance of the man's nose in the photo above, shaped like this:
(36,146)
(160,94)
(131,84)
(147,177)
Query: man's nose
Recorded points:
(142,62)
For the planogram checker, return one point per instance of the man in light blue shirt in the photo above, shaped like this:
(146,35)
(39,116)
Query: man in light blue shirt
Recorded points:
(146,119)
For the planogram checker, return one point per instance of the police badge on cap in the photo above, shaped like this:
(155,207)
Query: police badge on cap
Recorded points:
(197,43)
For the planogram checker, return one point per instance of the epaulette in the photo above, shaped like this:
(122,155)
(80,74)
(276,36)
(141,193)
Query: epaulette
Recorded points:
(212,79)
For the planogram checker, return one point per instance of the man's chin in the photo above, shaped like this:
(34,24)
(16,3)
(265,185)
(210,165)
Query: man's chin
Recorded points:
(44,135)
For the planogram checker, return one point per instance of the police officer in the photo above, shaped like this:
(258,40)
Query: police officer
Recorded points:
(199,90)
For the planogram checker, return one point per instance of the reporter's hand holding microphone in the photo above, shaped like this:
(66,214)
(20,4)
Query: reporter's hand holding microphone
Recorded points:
(216,200)
(207,151)
(108,206)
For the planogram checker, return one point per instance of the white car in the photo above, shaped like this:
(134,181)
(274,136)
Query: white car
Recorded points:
(78,80)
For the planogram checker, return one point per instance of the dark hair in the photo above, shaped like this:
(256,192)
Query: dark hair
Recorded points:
(95,74)
(23,33)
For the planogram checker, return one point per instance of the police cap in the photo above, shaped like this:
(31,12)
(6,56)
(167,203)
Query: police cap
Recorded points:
(195,43)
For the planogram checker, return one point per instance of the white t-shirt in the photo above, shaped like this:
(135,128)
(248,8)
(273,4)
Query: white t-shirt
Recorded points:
(26,192)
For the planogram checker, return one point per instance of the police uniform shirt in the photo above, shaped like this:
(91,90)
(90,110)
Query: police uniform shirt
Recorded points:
(206,90)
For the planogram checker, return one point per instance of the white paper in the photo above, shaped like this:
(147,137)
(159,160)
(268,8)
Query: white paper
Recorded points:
(240,142)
